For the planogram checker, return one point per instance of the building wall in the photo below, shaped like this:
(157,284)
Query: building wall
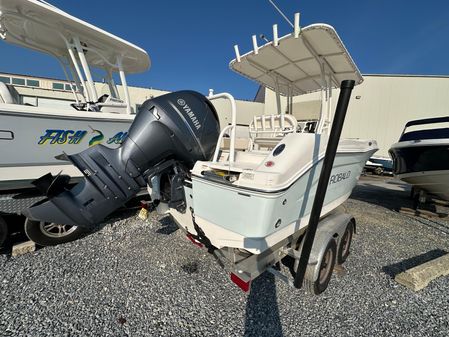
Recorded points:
(379,107)
(382,104)
(45,94)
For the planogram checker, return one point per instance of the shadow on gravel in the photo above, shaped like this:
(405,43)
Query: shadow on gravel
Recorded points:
(262,312)
(393,269)
(441,225)
(16,233)
(168,226)
(391,199)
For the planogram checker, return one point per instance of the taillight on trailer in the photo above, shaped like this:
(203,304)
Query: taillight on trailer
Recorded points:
(244,285)
(194,241)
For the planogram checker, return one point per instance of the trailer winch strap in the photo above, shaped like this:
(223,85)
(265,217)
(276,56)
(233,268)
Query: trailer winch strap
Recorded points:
(200,236)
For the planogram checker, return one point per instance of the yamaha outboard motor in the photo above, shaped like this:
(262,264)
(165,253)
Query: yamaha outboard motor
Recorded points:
(169,131)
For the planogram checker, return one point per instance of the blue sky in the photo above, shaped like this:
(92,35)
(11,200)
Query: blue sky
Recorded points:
(191,42)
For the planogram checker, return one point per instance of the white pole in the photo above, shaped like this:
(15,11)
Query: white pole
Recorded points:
(114,86)
(110,85)
(86,69)
(68,79)
(83,88)
(125,87)
(255,47)
(323,98)
(275,36)
(278,103)
(237,52)
(329,99)
(232,126)
(296,27)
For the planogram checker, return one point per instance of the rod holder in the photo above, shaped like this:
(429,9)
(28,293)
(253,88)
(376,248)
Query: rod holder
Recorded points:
(237,52)
(323,182)
(296,27)
(275,36)
(255,46)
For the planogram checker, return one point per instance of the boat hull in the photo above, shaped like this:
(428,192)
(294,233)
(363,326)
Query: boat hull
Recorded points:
(423,164)
(30,141)
(255,220)
(434,182)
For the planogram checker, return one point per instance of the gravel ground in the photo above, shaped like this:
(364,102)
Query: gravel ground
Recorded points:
(137,278)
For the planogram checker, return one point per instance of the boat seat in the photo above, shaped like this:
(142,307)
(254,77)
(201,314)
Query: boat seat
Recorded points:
(269,142)
(239,144)
(5,95)
(266,131)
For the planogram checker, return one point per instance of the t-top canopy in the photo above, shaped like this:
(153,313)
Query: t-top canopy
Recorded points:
(296,64)
(38,25)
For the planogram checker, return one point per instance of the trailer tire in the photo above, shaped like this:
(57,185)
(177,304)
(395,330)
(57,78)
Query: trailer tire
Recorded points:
(345,243)
(3,232)
(379,171)
(49,234)
(326,265)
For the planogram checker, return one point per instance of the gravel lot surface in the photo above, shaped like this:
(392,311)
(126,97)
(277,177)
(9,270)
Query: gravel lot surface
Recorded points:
(137,278)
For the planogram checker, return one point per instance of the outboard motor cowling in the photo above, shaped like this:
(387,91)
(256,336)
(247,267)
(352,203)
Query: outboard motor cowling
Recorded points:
(176,128)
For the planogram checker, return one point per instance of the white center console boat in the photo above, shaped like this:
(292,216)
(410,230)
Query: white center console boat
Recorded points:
(32,136)
(248,199)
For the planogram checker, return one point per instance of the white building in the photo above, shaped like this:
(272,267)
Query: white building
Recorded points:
(50,92)
(379,107)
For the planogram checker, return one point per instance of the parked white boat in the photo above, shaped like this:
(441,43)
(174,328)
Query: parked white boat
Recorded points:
(248,200)
(421,156)
(31,136)
(254,196)
(255,191)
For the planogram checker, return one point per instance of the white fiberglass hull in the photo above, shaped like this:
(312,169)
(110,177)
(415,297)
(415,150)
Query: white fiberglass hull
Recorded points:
(423,164)
(254,221)
(31,137)
(434,182)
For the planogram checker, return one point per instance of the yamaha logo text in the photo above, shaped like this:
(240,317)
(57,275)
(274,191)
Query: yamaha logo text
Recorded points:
(189,113)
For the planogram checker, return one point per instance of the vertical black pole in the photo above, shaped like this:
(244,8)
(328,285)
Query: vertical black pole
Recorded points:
(334,137)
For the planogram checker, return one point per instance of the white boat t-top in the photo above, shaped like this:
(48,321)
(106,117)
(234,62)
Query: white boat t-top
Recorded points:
(246,198)
(31,135)
(78,45)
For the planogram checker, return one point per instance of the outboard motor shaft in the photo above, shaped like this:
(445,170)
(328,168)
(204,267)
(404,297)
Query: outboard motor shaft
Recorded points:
(176,128)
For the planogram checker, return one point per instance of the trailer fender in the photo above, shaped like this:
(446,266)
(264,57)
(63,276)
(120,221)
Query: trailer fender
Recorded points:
(332,227)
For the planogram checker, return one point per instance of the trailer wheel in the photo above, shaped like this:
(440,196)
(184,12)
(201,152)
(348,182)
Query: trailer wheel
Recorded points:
(379,171)
(3,232)
(51,234)
(345,243)
(326,266)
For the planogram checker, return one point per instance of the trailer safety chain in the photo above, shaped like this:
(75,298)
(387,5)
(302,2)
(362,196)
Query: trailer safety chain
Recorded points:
(201,237)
